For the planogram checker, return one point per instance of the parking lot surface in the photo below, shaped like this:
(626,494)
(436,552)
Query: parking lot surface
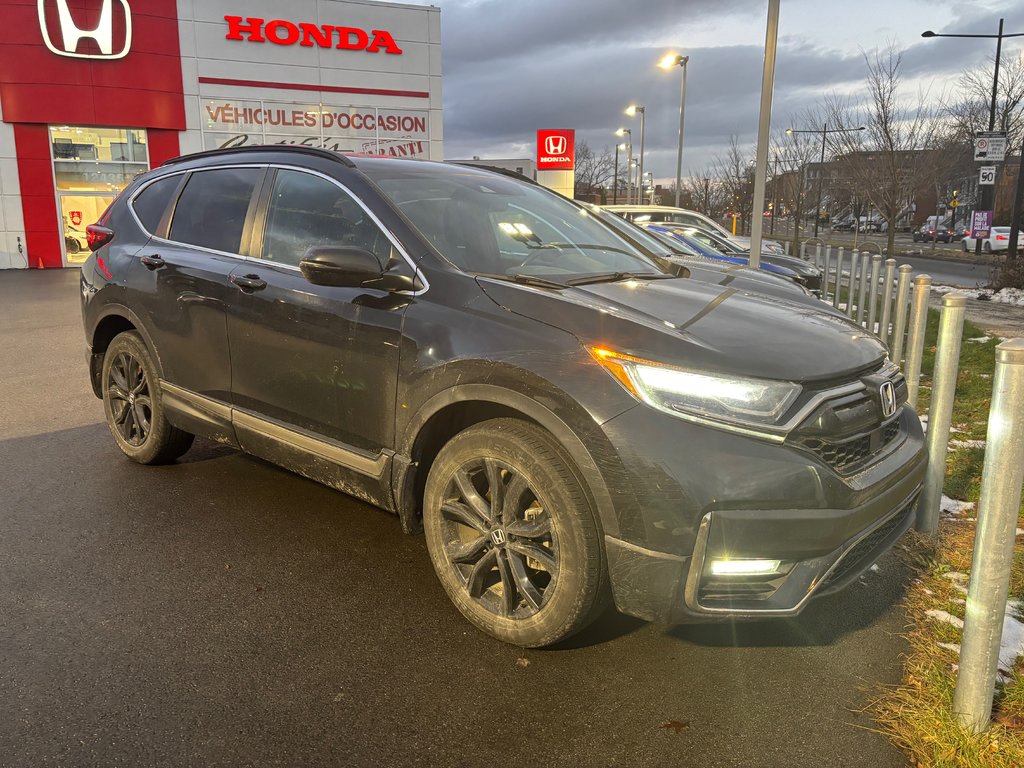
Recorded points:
(221,611)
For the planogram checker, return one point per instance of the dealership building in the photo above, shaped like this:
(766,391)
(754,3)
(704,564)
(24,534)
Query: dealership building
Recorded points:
(94,92)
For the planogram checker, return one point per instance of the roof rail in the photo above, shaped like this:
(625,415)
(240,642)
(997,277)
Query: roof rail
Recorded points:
(297,148)
(494,169)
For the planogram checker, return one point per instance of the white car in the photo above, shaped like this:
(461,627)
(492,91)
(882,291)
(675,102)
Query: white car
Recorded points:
(665,214)
(998,240)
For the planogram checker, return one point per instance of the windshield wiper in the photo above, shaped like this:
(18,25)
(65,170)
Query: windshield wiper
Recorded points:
(517,277)
(580,246)
(613,277)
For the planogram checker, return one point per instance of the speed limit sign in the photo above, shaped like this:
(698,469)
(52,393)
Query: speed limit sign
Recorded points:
(987,175)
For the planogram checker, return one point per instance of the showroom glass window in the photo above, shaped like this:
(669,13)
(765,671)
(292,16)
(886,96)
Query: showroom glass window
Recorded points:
(308,211)
(90,167)
(211,210)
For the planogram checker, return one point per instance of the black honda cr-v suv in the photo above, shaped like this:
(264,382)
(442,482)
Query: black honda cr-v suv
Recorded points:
(567,416)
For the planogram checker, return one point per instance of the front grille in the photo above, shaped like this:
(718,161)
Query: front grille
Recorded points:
(850,455)
(855,557)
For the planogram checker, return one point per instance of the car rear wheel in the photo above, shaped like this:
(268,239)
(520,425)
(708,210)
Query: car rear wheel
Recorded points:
(512,536)
(131,401)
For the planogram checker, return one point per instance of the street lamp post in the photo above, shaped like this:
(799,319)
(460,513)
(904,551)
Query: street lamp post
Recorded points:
(631,110)
(825,131)
(615,182)
(629,158)
(675,60)
(987,192)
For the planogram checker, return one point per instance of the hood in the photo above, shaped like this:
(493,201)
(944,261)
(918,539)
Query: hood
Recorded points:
(700,325)
(801,267)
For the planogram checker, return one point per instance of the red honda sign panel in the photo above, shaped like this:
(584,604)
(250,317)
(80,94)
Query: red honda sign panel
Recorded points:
(556,149)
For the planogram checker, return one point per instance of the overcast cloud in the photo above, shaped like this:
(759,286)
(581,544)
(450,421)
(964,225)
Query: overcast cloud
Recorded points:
(513,67)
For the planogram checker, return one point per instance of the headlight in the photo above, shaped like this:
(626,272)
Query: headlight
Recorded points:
(698,395)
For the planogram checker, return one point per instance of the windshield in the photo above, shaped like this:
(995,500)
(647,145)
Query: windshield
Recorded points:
(487,224)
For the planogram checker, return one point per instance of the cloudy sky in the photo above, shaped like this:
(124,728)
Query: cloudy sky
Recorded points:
(513,66)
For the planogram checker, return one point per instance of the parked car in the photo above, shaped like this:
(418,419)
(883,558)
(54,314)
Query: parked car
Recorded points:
(932,233)
(998,240)
(810,275)
(706,268)
(664,214)
(566,418)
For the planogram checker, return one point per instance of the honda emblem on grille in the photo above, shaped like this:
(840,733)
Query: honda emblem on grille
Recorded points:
(887,393)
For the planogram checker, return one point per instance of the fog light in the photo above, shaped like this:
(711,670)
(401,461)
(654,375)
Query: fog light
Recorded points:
(744,567)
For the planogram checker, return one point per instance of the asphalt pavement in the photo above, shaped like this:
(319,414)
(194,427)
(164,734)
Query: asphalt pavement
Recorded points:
(222,611)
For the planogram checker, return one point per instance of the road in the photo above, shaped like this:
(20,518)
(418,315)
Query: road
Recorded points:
(221,611)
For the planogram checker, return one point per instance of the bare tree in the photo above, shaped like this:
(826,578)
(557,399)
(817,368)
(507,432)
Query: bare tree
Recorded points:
(735,173)
(968,111)
(790,156)
(594,172)
(705,193)
(895,156)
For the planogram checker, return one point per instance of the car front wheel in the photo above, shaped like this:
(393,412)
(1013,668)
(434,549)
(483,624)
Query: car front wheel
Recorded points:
(131,402)
(512,536)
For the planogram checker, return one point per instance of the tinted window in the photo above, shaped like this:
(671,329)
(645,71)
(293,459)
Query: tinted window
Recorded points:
(306,211)
(211,210)
(151,203)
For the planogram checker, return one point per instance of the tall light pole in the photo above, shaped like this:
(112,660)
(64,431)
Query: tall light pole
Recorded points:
(629,159)
(675,60)
(987,203)
(615,182)
(825,131)
(764,124)
(631,110)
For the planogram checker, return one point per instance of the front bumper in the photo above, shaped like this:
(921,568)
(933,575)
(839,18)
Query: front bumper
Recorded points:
(770,502)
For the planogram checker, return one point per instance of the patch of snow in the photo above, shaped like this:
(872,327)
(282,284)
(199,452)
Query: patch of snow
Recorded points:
(949,618)
(1014,296)
(941,290)
(955,576)
(980,339)
(874,568)
(928,591)
(958,601)
(967,443)
(1012,643)
(955,506)
(954,647)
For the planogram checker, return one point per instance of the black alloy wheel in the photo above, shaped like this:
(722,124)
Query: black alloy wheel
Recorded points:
(130,401)
(512,535)
(499,539)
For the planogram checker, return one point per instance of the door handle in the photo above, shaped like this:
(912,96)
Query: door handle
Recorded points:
(154,261)
(249,283)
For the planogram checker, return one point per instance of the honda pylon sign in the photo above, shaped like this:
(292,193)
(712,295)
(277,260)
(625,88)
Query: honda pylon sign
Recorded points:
(105,24)
(556,149)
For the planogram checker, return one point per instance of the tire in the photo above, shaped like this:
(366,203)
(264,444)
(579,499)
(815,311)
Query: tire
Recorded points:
(132,404)
(554,559)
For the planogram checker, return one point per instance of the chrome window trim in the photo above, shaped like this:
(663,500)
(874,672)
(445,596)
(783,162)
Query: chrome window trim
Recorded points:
(417,272)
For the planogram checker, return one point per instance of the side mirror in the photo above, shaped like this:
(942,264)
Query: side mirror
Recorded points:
(351,267)
(340,266)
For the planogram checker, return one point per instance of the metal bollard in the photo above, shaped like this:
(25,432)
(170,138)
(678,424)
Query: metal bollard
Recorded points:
(876,268)
(839,277)
(887,281)
(851,288)
(862,290)
(998,506)
(803,251)
(817,255)
(940,411)
(824,273)
(900,322)
(915,336)
(787,248)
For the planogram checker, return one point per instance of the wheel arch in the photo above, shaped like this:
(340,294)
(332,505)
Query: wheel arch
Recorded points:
(449,412)
(115,319)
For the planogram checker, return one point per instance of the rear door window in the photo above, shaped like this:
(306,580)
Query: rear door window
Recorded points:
(212,208)
(149,205)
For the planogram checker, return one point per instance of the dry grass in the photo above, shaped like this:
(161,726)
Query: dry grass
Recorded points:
(918,713)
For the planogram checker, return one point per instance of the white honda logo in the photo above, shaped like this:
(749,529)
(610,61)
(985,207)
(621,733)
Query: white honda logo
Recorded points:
(554,145)
(887,394)
(102,34)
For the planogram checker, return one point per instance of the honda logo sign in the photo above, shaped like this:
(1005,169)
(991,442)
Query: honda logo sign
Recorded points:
(556,150)
(887,394)
(72,31)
